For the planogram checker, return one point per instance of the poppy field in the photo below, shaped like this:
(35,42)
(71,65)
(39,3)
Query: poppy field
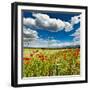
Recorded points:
(51,62)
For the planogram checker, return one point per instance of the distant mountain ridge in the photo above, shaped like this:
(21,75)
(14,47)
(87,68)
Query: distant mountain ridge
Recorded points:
(72,46)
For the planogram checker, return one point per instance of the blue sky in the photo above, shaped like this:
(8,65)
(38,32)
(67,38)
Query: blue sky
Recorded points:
(65,26)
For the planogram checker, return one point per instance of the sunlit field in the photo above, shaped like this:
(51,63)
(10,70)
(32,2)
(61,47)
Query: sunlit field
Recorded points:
(51,62)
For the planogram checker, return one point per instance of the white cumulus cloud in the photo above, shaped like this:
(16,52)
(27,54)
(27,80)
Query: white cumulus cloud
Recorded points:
(29,21)
(76,36)
(29,34)
(51,24)
(75,19)
(44,21)
(68,26)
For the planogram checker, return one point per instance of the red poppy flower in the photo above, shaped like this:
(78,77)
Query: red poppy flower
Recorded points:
(27,59)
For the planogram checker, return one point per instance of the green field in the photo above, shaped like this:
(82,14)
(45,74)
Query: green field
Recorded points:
(51,62)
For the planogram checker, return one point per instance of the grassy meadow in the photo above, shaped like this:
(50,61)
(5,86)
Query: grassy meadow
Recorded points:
(51,62)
